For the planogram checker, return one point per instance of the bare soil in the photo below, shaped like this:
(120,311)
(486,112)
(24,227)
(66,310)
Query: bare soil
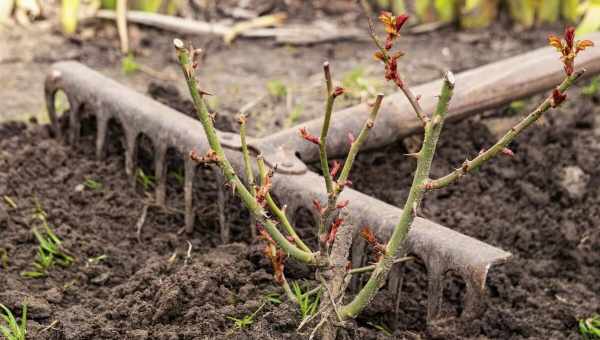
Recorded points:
(150,288)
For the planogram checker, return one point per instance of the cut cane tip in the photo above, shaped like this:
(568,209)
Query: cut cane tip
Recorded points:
(178,43)
(450,79)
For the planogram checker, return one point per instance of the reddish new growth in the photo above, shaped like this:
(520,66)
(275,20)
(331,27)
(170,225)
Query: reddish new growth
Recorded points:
(263,190)
(338,91)
(333,231)
(320,209)
(558,97)
(368,235)
(392,25)
(335,168)
(569,48)
(351,138)
(309,137)
(277,256)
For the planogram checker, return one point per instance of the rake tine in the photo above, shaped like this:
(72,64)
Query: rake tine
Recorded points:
(223,226)
(130,155)
(473,300)
(74,123)
(101,137)
(358,258)
(160,173)
(51,86)
(190,172)
(435,290)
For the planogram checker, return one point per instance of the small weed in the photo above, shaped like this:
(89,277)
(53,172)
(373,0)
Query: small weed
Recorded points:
(13,330)
(49,252)
(277,88)
(128,65)
(308,305)
(10,202)
(178,176)
(147,181)
(590,328)
(91,184)
(273,298)
(593,88)
(295,115)
(357,84)
(380,327)
(516,106)
(244,322)
(248,320)
(38,214)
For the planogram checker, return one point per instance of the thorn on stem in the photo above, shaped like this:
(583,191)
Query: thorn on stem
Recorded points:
(212,116)
(201,92)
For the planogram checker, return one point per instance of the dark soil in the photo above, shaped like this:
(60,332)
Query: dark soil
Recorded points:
(149,288)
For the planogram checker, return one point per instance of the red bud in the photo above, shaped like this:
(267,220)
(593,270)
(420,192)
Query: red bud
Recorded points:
(570,36)
(338,91)
(335,168)
(558,97)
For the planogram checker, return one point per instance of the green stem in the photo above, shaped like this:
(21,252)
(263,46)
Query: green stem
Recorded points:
(425,156)
(280,214)
(183,55)
(247,168)
(325,128)
(503,142)
(329,213)
(356,145)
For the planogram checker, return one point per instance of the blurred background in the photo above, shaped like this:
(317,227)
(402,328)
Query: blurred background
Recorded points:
(130,40)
